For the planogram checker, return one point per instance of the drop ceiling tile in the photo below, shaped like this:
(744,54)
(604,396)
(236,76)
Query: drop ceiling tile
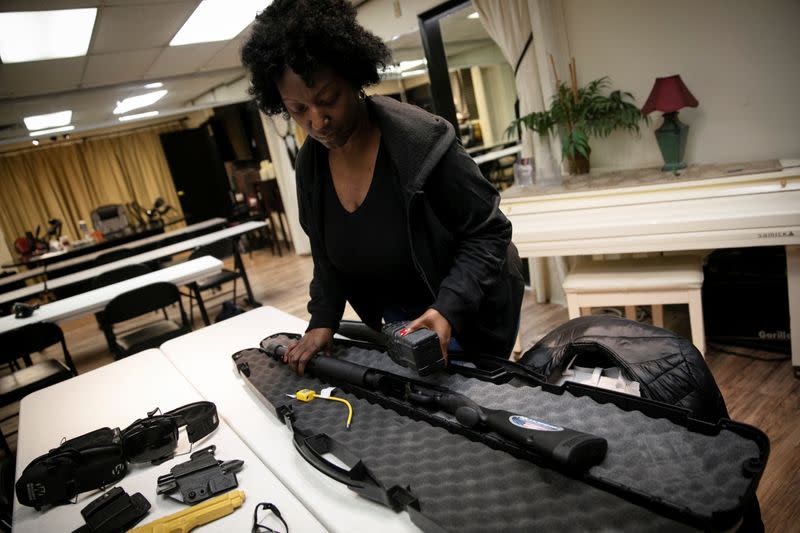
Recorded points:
(229,56)
(83,104)
(141,26)
(119,67)
(175,60)
(190,89)
(41,5)
(40,77)
(93,105)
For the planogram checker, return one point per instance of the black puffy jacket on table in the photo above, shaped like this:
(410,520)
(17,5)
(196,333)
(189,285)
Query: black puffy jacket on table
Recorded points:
(667,367)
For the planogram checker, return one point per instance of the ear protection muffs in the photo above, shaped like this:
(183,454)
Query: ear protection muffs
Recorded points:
(99,458)
(150,440)
(200,419)
(88,462)
(155,438)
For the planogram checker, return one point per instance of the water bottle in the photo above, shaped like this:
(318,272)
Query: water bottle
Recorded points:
(523,172)
(84,230)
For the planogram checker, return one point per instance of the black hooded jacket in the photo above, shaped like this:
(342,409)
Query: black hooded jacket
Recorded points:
(460,241)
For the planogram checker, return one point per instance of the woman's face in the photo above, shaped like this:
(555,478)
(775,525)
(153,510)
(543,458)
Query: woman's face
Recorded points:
(328,111)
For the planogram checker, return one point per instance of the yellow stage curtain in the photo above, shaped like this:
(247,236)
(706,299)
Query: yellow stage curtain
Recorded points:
(69,181)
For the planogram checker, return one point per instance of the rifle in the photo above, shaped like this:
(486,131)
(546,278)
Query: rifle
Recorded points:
(568,447)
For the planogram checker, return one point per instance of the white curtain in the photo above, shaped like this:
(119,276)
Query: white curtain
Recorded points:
(284,172)
(510,23)
(550,39)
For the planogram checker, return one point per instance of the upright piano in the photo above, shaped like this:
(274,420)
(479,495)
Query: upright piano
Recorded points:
(705,207)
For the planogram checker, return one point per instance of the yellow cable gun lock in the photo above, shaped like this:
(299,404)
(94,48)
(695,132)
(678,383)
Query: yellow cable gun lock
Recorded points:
(306,395)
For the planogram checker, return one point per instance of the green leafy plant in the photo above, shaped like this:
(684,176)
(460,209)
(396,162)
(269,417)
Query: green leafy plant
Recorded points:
(580,113)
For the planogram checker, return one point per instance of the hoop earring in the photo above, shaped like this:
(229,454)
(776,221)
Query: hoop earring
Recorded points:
(362,95)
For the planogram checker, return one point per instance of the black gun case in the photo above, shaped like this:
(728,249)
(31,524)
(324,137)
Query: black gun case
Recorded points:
(663,470)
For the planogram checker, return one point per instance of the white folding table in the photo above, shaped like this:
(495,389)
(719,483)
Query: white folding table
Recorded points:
(204,359)
(497,154)
(186,230)
(96,300)
(152,255)
(115,396)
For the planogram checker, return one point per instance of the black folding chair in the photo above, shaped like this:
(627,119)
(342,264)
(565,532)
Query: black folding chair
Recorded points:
(115,276)
(271,201)
(221,250)
(20,343)
(113,255)
(138,302)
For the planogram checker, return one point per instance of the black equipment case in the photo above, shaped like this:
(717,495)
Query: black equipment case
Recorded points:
(663,471)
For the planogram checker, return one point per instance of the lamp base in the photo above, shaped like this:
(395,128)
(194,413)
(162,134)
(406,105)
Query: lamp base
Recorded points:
(672,167)
(671,137)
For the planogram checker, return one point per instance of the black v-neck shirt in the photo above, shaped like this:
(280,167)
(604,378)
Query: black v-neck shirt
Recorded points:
(370,247)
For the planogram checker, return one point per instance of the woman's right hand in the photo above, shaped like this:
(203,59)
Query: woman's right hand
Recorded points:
(299,353)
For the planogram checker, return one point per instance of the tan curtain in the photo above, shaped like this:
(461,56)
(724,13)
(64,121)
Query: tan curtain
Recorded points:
(69,181)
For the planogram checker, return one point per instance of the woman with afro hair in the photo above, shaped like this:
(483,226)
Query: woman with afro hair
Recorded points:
(401,222)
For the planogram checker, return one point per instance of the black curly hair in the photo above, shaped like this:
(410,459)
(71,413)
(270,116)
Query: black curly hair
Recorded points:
(307,35)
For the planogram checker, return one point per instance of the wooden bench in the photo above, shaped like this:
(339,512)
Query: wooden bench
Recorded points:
(653,281)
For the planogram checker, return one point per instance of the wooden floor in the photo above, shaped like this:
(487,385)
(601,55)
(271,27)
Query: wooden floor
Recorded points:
(762,393)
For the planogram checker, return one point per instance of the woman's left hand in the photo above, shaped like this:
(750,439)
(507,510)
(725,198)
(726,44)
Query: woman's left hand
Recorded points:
(434,321)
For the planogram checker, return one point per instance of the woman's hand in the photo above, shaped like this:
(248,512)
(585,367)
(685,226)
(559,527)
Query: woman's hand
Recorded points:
(434,321)
(299,353)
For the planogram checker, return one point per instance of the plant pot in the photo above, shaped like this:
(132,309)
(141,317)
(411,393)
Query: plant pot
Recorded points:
(579,164)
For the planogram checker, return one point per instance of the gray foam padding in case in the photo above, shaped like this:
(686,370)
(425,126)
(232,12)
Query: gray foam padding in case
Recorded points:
(461,485)
(666,461)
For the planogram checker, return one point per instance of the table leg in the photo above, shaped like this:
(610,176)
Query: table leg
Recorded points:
(536,269)
(793,280)
(237,258)
(200,305)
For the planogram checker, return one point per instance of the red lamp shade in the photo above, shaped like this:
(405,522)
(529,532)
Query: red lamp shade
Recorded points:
(669,94)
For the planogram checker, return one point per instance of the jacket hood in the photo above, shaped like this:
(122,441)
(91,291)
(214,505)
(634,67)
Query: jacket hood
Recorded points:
(415,139)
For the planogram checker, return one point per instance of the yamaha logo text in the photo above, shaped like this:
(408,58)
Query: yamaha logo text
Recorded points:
(775,234)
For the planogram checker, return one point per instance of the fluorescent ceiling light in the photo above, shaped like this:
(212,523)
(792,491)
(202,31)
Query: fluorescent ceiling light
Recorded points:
(154,85)
(474,15)
(406,65)
(51,130)
(38,35)
(50,120)
(410,73)
(218,20)
(138,116)
(142,100)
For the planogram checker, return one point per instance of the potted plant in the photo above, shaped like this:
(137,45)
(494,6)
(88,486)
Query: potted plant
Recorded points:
(580,113)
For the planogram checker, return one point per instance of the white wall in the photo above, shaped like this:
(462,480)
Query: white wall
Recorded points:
(740,59)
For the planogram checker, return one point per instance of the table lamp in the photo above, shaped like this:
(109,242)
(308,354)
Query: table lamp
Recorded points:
(668,96)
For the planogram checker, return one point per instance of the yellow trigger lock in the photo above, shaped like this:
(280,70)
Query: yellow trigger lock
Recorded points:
(306,395)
